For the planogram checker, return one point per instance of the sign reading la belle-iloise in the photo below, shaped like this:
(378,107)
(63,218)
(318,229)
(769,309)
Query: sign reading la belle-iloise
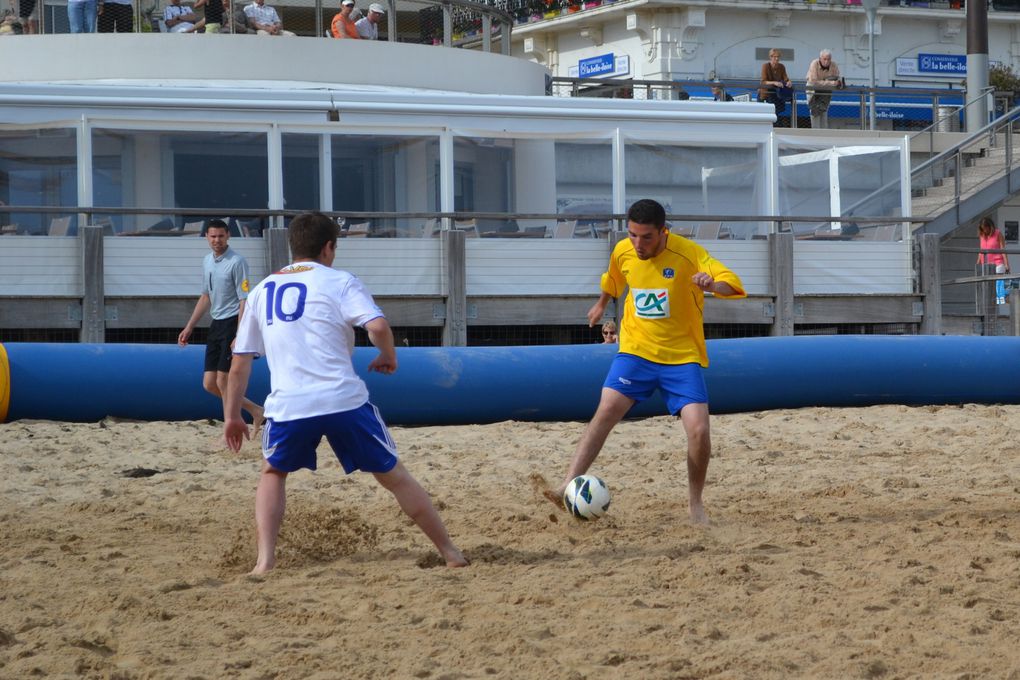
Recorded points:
(603,65)
(951,64)
(592,67)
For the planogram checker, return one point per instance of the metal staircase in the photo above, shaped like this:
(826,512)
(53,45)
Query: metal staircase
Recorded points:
(966,181)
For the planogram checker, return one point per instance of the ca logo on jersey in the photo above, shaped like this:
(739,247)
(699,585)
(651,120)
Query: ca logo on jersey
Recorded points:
(651,303)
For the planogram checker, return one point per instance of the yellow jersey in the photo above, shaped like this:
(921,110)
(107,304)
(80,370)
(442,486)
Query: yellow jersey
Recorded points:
(664,311)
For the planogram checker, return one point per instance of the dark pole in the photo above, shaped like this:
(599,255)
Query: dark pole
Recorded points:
(977,63)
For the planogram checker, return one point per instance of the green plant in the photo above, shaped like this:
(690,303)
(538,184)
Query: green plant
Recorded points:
(1003,78)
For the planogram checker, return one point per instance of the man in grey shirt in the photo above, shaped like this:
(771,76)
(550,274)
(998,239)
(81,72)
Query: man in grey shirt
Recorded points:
(225,288)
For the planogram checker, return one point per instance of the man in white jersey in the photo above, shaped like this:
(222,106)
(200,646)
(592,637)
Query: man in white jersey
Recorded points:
(302,320)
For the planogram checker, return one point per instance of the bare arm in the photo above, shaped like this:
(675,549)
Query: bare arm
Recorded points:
(598,309)
(381,336)
(705,282)
(235,430)
(201,307)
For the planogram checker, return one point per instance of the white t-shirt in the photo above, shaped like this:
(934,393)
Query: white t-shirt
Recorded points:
(302,320)
(367,29)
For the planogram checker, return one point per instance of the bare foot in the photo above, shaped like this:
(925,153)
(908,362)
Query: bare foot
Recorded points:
(698,515)
(262,568)
(258,419)
(539,484)
(455,559)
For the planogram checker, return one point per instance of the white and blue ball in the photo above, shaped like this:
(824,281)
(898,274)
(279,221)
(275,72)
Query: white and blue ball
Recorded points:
(586,497)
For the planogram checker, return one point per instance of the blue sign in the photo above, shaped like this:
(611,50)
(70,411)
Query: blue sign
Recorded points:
(952,64)
(596,66)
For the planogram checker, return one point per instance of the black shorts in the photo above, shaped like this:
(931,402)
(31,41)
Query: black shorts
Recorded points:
(217,347)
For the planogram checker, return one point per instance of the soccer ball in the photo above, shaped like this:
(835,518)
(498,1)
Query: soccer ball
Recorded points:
(586,497)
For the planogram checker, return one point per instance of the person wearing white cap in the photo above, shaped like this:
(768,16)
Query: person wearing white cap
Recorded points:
(343,25)
(368,25)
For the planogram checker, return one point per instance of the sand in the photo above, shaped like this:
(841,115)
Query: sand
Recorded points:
(878,542)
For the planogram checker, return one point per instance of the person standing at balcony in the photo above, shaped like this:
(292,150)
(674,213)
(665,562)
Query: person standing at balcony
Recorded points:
(990,238)
(302,320)
(81,15)
(368,25)
(213,19)
(662,339)
(343,25)
(116,16)
(28,13)
(776,85)
(264,19)
(225,278)
(822,78)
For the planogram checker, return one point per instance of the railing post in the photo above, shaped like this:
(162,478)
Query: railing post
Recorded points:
(455,324)
(957,179)
(277,249)
(504,32)
(930,279)
(447,25)
(793,109)
(93,299)
(781,283)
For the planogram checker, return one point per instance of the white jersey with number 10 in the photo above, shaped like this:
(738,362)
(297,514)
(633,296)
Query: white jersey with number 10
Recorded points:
(302,320)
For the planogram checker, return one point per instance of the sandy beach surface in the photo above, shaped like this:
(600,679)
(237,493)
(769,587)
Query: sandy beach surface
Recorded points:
(878,542)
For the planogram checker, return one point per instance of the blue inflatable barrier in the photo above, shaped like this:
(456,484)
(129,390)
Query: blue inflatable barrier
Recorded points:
(463,385)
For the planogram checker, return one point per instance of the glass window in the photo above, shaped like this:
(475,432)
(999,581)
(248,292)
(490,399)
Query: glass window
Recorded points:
(39,168)
(386,174)
(534,176)
(301,172)
(866,179)
(213,171)
(699,180)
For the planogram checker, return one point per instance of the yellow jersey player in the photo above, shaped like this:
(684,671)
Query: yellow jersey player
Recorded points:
(662,338)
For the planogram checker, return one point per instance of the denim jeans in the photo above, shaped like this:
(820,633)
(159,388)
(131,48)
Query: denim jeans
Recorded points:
(82,16)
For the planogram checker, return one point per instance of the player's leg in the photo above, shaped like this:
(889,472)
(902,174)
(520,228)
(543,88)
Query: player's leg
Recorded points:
(362,441)
(258,416)
(699,450)
(687,397)
(287,447)
(217,365)
(212,384)
(613,406)
(270,502)
(417,505)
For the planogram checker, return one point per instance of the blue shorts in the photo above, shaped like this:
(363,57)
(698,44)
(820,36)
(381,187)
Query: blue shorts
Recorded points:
(359,439)
(638,378)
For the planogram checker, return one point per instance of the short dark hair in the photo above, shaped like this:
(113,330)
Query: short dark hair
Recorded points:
(647,211)
(309,233)
(218,224)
